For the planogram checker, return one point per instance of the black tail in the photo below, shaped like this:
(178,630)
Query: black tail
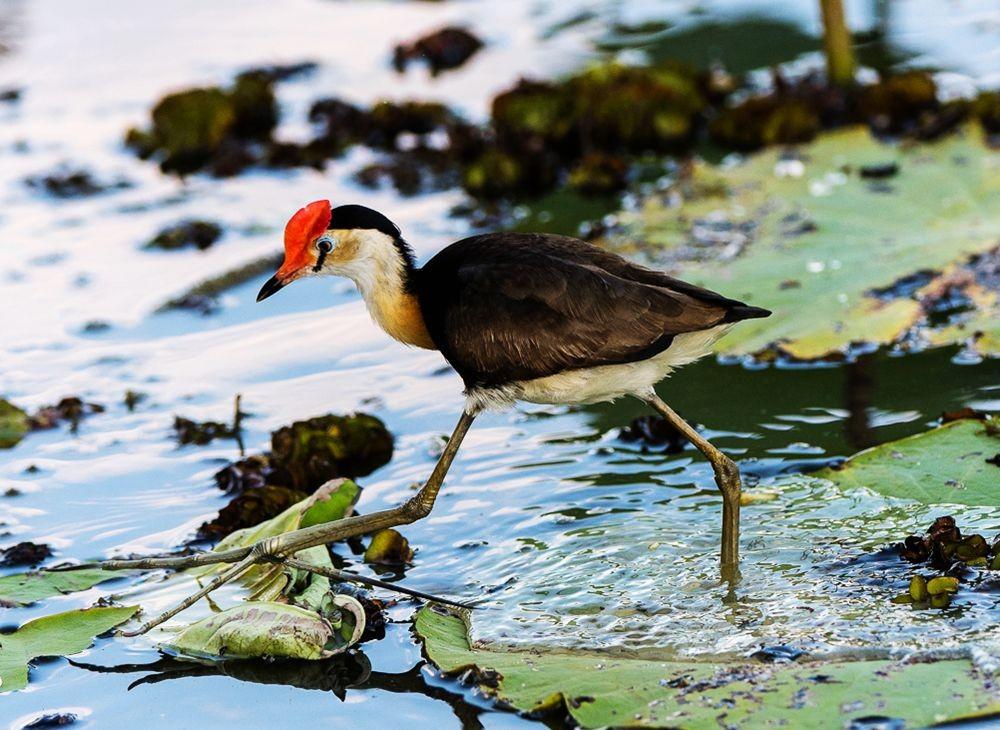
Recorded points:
(745,311)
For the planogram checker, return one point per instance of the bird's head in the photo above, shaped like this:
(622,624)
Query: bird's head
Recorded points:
(349,240)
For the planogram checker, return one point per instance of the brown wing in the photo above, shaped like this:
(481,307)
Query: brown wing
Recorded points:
(508,307)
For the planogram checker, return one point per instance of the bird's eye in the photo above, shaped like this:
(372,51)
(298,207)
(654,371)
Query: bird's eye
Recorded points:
(324,244)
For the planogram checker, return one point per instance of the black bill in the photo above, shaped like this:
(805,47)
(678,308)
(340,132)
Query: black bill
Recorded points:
(270,287)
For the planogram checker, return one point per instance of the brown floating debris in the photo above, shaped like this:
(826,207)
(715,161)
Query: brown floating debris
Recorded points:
(441,50)
(25,553)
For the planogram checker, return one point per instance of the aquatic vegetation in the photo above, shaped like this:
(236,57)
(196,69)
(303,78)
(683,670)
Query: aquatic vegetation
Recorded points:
(61,634)
(272,630)
(24,589)
(794,227)
(209,128)
(308,453)
(388,547)
(71,408)
(73,182)
(186,234)
(25,553)
(945,465)
(14,424)
(598,690)
(444,49)
(303,456)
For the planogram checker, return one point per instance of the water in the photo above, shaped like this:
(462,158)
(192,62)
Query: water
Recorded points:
(573,536)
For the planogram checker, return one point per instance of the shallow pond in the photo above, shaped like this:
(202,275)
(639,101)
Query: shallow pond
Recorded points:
(570,534)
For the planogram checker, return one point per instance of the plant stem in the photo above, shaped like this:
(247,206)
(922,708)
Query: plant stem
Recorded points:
(837,43)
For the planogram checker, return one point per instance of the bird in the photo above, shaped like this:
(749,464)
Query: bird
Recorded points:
(532,317)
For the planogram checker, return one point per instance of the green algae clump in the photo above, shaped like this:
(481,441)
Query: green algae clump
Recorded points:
(208,127)
(311,452)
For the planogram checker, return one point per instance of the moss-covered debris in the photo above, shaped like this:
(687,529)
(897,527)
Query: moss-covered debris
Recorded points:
(209,128)
(186,234)
(303,456)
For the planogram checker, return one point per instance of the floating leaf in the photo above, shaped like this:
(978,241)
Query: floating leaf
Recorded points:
(332,501)
(268,629)
(13,424)
(779,233)
(946,465)
(22,589)
(58,635)
(599,690)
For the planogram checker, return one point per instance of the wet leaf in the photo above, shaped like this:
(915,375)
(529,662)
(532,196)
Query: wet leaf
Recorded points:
(746,229)
(597,689)
(941,466)
(332,501)
(22,589)
(258,629)
(262,629)
(13,424)
(388,547)
(58,635)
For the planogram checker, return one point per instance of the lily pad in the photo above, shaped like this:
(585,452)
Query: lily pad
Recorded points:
(946,465)
(23,589)
(277,630)
(597,689)
(805,235)
(13,424)
(58,635)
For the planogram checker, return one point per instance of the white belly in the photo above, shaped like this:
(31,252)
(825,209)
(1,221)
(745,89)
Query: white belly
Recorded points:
(606,382)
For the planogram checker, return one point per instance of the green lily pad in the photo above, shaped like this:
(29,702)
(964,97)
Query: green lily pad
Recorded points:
(58,635)
(598,689)
(946,465)
(13,424)
(824,247)
(268,629)
(23,589)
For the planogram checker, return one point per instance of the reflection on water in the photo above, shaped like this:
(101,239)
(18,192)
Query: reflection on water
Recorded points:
(571,535)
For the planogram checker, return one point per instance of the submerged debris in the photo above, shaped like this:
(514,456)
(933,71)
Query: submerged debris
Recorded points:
(654,431)
(201,433)
(24,553)
(71,182)
(71,408)
(441,50)
(249,509)
(282,71)
(186,234)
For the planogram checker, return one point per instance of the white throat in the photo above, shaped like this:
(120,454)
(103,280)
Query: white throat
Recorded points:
(378,269)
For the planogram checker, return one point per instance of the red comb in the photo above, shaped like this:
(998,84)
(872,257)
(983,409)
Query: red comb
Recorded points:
(307,225)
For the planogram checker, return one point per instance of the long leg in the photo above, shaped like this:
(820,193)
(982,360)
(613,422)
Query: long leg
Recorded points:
(727,477)
(413,509)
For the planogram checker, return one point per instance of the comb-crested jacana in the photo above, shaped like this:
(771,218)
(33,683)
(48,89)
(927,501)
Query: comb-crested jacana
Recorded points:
(519,316)
(523,316)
